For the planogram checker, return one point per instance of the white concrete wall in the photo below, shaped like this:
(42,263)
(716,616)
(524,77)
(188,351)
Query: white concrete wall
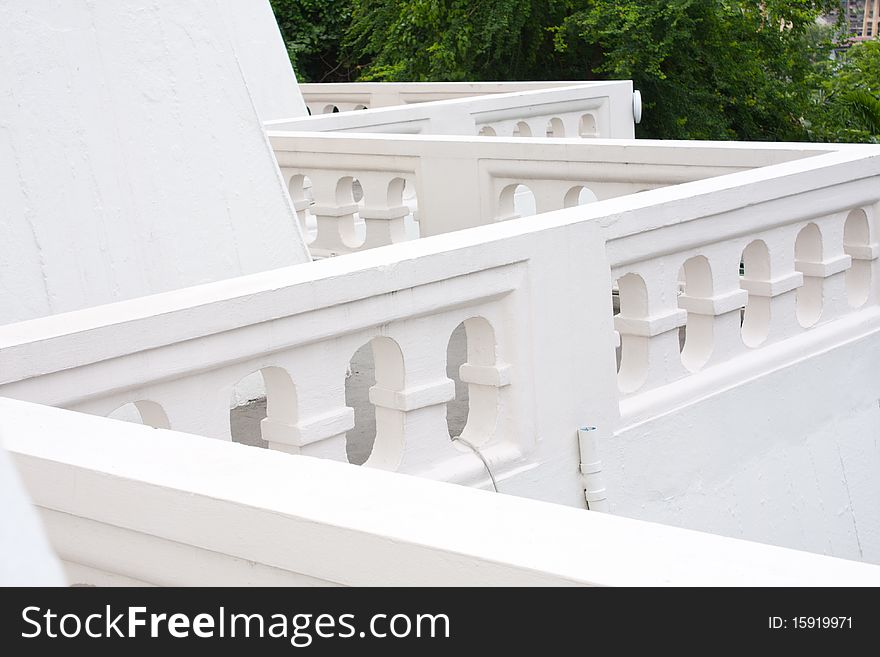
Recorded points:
(788,457)
(132,159)
(262,57)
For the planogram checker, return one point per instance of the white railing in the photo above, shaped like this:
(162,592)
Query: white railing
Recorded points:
(178,355)
(332,97)
(534,297)
(357,191)
(723,260)
(129,505)
(711,271)
(599,109)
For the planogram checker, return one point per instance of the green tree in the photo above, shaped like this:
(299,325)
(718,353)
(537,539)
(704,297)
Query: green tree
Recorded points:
(313,31)
(455,40)
(847,99)
(708,69)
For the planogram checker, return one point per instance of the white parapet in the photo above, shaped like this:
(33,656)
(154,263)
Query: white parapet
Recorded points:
(127,504)
(262,57)
(585,109)
(488,176)
(332,97)
(182,352)
(697,265)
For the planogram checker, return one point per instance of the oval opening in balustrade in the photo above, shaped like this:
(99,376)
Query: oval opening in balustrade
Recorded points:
(633,349)
(331,109)
(857,244)
(555,127)
(263,408)
(470,355)
(808,250)
(579,195)
(300,189)
(456,356)
(394,198)
(696,339)
(142,411)
(755,269)
(410,199)
(360,107)
(487,131)
(376,371)
(522,129)
(515,201)
(587,126)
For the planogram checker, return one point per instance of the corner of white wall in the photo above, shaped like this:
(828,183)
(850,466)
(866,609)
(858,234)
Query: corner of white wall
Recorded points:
(263,59)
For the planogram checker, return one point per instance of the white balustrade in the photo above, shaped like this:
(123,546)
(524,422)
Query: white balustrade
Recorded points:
(459,184)
(677,264)
(795,225)
(322,97)
(563,109)
(183,351)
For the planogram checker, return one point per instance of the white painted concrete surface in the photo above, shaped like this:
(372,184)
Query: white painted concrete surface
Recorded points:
(262,56)
(536,292)
(218,513)
(132,158)
(25,556)
(135,162)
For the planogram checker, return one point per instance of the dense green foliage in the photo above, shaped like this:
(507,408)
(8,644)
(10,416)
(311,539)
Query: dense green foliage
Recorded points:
(313,31)
(456,39)
(847,103)
(707,69)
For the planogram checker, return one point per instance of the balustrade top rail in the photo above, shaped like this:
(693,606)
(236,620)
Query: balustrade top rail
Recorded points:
(322,97)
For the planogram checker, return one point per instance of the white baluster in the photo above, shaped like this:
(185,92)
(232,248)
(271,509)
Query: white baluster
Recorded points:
(334,212)
(826,274)
(650,335)
(873,213)
(773,295)
(721,308)
(861,245)
(322,418)
(411,420)
(383,212)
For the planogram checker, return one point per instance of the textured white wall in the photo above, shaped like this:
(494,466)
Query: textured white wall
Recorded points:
(262,57)
(788,458)
(132,159)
